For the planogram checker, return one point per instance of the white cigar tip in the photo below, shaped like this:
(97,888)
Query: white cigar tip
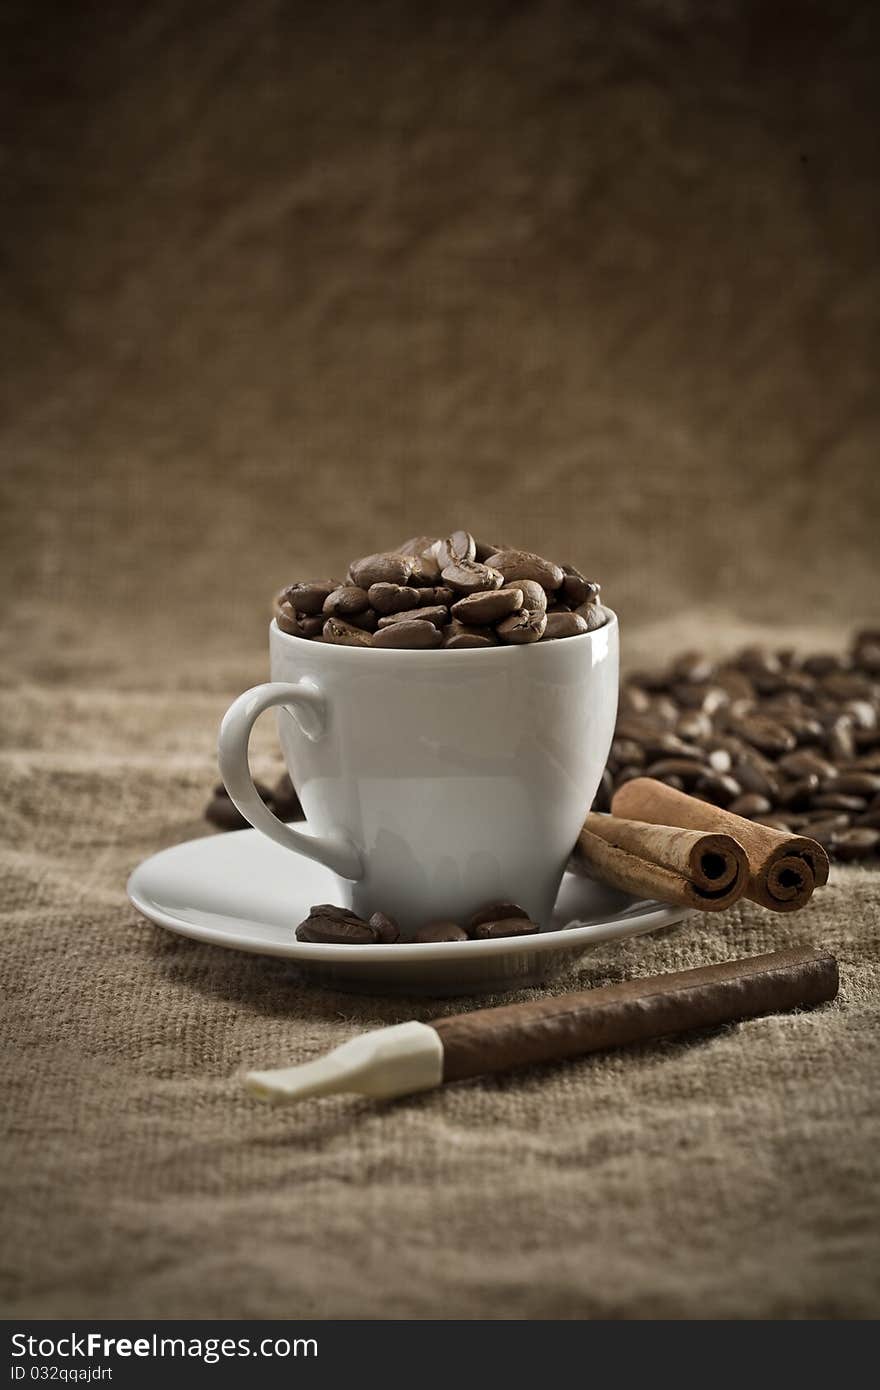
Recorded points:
(389,1062)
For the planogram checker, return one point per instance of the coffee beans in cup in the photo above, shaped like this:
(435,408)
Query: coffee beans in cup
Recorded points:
(454,592)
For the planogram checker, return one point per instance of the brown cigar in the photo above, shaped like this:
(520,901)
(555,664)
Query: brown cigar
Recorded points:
(663,861)
(784,869)
(409,1057)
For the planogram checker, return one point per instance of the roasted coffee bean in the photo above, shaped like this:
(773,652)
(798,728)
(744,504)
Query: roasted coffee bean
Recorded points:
(867,656)
(523,627)
(841,744)
(708,698)
(626,750)
(689,772)
(575,589)
(524,564)
(394,598)
(796,796)
(436,594)
(834,801)
(342,634)
(692,666)
(459,636)
(592,615)
(719,760)
(696,725)
(858,784)
(564,625)
(440,931)
(490,606)
(750,805)
(455,548)
(328,923)
(296,624)
(506,926)
(386,929)
(736,683)
(634,700)
(388,568)
(557,607)
(718,787)
(827,831)
(497,912)
(345,601)
(534,595)
(626,774)
(309,598)
(764,734)
(869,818)
(847,685)
(822,663)
(469,577)
(367,621)
(438,615)
(862,713)
(418,546)
(415,635)
(857,843)
(805,729)
(804,762)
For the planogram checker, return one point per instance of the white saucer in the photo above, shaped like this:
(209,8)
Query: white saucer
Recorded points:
(241,891)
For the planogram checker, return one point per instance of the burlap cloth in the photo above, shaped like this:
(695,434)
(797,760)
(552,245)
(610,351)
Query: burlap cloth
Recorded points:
(287,282)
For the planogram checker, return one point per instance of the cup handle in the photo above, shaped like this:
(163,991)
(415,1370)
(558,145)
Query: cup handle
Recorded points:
(308,706)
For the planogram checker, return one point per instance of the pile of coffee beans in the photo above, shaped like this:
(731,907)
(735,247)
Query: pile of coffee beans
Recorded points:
(454,592)
(788,740)
(338,926)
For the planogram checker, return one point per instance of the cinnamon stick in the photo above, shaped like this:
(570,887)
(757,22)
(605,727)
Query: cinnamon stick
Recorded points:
(783,869)
(689,867)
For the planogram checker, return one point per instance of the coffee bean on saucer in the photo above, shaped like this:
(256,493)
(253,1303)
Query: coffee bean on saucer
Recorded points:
(488,606)
(346,600)
(497,912)
(470,577)
(330,925)
(455,548)
(388,568)
(345,634)
(394,598)
(564,625)
(506,926)
(386,929)
(415,635)
(524,564)
(440,931)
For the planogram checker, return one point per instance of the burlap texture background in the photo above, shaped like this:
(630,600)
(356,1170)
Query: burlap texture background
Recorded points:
(282,283)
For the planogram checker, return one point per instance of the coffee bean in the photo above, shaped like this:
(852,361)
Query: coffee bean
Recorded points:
(367,621)
(524,564)
(750,805)
(459,636)
(802,763)
(507,926)
(564,625)
(634,700)
(847,685)
(486,548)
(523,627)
(309,598)
(440,931)
(858,784)
(822,663)
(345,601)
(388,568)
(438,594)
(592,615)
(394,598)
(841,744)
(345,635)
(834,801)
(416,635)
(857,843)
(438,615)
(692,666)
(862,713)
(534,595)
(419,546)
(718,787)
(626,750)
(425,571)
(826,831)
(795,796)
(689,772)
(455,548)
(386,929)
(296,624)
(870,818)
(497,912)
(719,760)
(694,726)
(764,734)
(490,606)
(867,656)
(335,926)
(575,589)
(469,577)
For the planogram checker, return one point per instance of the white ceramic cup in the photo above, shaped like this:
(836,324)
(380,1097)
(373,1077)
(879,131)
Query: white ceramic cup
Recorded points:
(434,782)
